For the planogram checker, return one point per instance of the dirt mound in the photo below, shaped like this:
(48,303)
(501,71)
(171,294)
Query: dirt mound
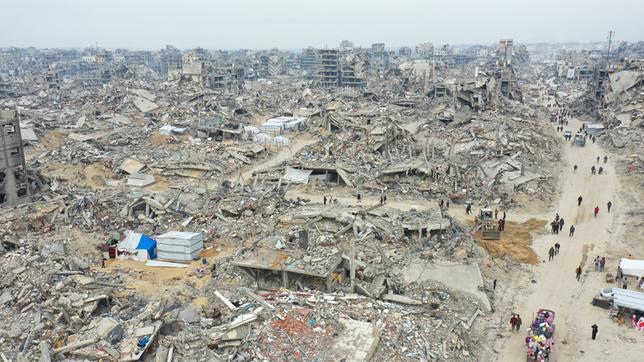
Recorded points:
(515,242)
(94,175)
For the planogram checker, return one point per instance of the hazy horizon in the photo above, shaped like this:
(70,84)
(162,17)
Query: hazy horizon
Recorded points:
(289,24)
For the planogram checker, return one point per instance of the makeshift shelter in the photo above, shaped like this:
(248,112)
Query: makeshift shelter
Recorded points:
(297,176)
(281,141)
(262,138)
(137,246)
(179,246)
(632,267)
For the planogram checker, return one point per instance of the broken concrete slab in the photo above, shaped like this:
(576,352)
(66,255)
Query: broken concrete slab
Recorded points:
(131,166)
(140,179)
(356,343)
(460,277)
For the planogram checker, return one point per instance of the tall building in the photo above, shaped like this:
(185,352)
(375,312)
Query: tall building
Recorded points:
(14,184)
(328,67)
(378,58)
(404,52)
(504,52)
(309,62)
(169,59)
(425,50)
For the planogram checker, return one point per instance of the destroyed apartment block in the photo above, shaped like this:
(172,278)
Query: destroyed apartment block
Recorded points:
(15,184)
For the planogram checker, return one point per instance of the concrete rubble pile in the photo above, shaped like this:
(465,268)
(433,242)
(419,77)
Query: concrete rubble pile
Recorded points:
(280,177)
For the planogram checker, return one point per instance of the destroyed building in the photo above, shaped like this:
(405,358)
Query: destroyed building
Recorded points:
(14,185)
(222,205)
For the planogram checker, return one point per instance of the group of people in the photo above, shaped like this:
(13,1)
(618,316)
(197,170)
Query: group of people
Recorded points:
(609,205)
(554,251)
(600,263)
(330,200)
(557,224)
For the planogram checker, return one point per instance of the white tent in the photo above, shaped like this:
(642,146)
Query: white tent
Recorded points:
(262,138)
(632,267)
(281,141)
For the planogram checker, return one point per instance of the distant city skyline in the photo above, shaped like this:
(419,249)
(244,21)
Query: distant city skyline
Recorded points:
(290,24)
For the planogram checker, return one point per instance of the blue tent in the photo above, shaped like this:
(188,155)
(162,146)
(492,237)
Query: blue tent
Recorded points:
(148,244)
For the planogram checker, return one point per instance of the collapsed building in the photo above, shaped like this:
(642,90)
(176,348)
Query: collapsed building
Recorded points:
(310,203)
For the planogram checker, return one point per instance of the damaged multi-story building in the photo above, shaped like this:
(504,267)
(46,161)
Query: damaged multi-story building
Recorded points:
(14,184)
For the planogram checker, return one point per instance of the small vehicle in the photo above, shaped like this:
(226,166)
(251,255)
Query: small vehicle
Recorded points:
(553,117)
(607,293)
(487,225)
(540,339)
(580,139)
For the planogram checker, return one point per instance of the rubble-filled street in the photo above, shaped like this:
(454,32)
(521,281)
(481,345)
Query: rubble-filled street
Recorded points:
(427,203)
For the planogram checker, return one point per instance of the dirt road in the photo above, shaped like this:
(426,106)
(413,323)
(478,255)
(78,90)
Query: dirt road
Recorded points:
(285,153)
(556,287)
(346,196)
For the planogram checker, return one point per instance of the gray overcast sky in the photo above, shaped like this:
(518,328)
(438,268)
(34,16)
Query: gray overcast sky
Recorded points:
(214,24)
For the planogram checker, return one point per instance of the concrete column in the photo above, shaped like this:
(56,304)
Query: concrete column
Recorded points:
(11,195)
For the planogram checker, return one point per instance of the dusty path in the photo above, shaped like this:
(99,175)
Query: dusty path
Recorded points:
(346,197)
(286,153)
(556,287)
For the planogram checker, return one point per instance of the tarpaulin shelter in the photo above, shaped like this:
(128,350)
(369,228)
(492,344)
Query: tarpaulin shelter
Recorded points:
(632,267)
(138,245)
(180,246)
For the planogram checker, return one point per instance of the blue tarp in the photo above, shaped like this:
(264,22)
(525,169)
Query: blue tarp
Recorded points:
(148,244)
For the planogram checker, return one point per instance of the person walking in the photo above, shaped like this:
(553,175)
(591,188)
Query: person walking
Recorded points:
(595,328)
(325,199)
(551,253)
(494,284)
(601,169)
(602,263)
(608,206)
(518,324)
(597,159)
(557,246)
(513,322)
(578,272)
(574,168)
(572,231)
(359,197)
(596,261)
(592,170)
(605,159)
(561,223)
(384,199)
(579,199)
(596,210)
